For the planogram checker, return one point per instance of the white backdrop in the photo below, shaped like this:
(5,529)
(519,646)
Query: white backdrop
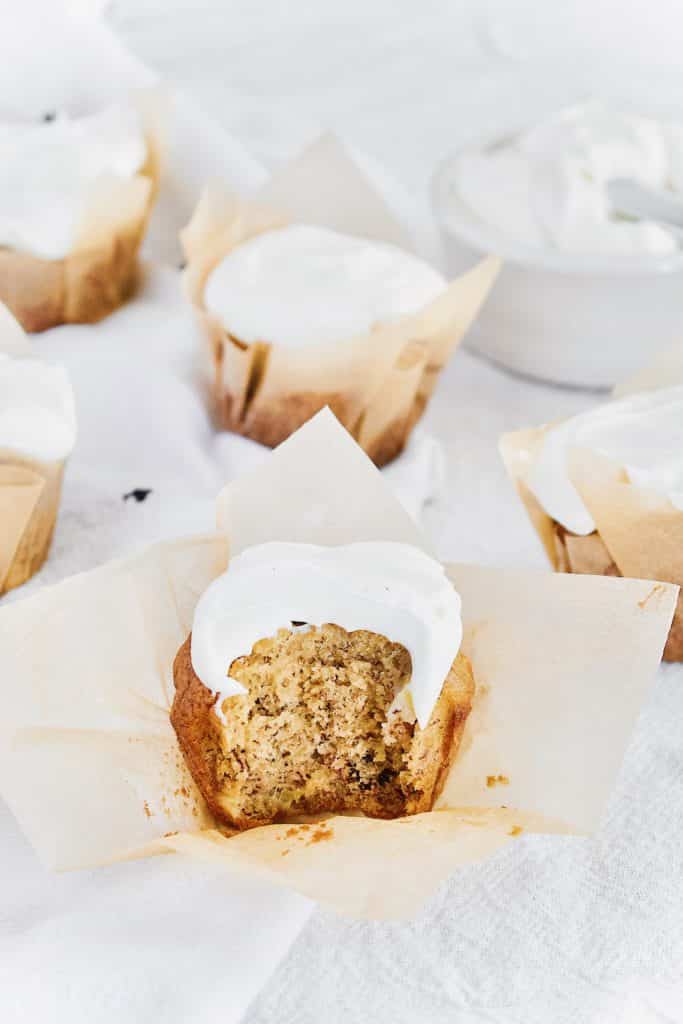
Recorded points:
(404,80)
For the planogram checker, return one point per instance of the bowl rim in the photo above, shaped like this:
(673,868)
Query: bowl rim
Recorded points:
(455,219)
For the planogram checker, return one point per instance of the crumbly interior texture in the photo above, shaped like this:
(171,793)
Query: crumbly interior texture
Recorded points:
(589,555)
(316,731)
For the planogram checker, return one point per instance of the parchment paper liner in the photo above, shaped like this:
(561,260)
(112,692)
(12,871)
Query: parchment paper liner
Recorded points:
(101,271)
(378,382)
(30,491)
(639,532)
(89,762)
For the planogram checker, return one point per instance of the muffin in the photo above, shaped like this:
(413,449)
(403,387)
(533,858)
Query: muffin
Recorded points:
(299,317)
(323,713)
(37,433)
(75,195)
(604,490)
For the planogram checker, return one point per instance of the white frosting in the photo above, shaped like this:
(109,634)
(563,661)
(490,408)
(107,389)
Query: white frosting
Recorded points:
(547,187)
(643,433)
(303,285)
(37,414)
(392,589)
(47,170)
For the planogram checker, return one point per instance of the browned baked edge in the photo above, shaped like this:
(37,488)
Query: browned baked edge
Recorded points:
(272,422)
(434,749)
(589,556)
(272,425)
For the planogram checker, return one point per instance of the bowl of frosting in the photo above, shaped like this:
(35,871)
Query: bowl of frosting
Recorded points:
(586,294)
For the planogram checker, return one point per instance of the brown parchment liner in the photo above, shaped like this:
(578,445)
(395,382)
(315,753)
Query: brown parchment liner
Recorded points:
(30,491)
(90,766)
(639,533)
(101,271)
(378,382)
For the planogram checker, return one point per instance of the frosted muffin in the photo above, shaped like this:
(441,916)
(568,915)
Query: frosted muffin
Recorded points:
(75,194)
(37,434)
(605,490)
(299,317)
(322,680)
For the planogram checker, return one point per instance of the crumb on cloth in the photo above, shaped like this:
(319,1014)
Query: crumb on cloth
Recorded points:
(497,780)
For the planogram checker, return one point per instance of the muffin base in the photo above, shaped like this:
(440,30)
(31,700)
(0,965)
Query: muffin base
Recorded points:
(313,786)
(589,555)
(81,288)
(382,430)
(273,425)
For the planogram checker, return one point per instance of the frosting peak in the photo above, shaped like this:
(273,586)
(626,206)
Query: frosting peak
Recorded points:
(47,170)
(303,285)
(388,588)
(641,432)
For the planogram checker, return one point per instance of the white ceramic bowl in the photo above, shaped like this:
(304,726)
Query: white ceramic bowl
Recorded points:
(573,320)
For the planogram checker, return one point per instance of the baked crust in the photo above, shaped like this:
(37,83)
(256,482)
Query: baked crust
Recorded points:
(273,424)
(243,410)
(589,555)
(355,773)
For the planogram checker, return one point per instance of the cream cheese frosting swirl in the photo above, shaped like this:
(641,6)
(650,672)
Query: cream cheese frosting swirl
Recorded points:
(547,186)
(37,413)
(388,588)
(48,169)
(304,285)
(643,433)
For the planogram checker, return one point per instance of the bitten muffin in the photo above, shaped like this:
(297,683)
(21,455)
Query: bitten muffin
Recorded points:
(319,729)
(322,679)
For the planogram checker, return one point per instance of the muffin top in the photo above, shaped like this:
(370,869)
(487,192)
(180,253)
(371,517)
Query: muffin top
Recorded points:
(390,589)
(37,414)
(303,285)
(48,169)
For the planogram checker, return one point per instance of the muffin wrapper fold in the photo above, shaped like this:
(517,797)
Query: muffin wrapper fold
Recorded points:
(642,532)
(100,272)
(30,493)
(91,768)
(378,382)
